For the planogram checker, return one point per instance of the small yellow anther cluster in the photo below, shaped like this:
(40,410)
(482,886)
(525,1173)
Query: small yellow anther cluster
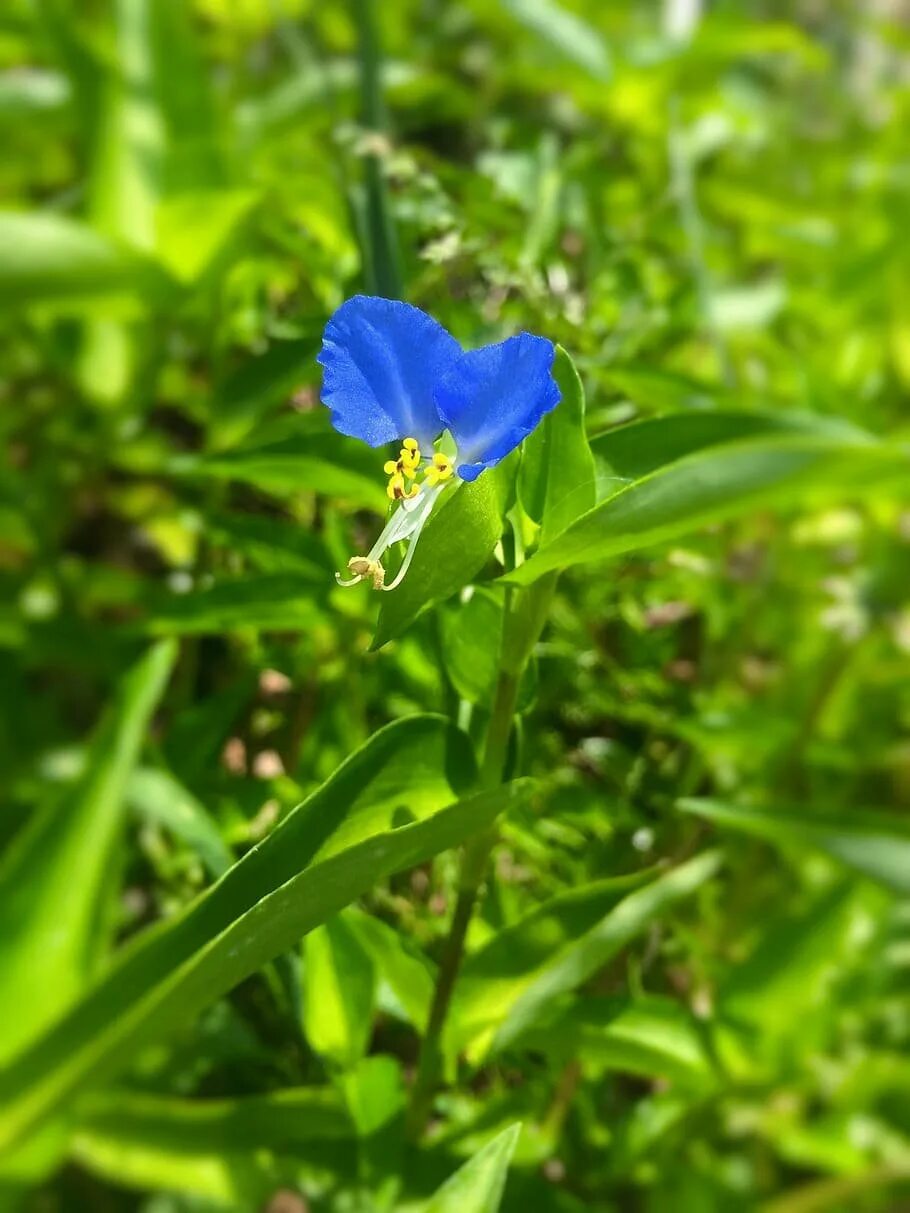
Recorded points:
(439,470)
(403,469)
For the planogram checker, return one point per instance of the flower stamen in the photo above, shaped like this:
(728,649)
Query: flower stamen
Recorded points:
(363,566)
(441,469)
(402,469)
(404,526)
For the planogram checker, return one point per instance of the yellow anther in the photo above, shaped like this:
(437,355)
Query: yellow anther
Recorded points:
(395,487)
(405,466)
(440,469)
(398,491)
(409,456)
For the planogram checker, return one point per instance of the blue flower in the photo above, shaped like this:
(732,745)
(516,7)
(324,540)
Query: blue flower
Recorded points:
(393,374)
(382,360)
(491,399)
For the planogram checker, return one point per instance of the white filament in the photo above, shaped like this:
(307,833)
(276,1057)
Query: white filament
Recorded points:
(405,524)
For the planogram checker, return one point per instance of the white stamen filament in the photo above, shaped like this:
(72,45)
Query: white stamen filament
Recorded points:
(406,523)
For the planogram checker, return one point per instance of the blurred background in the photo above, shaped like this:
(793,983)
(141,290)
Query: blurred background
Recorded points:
(706,205)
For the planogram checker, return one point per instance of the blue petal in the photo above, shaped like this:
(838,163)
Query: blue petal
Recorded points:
(382,359)
(492,398)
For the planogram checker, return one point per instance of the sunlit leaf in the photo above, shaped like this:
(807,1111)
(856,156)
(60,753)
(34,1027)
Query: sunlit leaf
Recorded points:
(718,483)
(339,992)
(55,881)
(556,481)
(229,1150)
(64,265)
(876,844)
(477,1187)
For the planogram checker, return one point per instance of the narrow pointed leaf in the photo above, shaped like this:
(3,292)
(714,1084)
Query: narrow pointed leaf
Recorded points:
(493,979)
(719,483)
(563,968)
(55,881)
(876,844)
(232,1151)
(556,483)
(477,1187)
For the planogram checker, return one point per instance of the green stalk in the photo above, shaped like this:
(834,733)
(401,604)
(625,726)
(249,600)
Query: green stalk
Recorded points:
(473,866)
(377,228)
(525,615)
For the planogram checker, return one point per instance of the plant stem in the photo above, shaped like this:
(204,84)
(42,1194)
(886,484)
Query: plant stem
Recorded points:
(380,245)
(499,730)
(526,613)
(473,866)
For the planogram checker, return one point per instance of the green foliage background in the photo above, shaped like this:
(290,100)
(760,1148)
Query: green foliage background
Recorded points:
(686,978)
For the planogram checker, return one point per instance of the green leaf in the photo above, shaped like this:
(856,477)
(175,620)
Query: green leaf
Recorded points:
(339,992)
(477,1187)
(345,837)
(556,482)
(244,397)
(157,135)
(55,880)
(455,545)
(374,1092)
(718,483)
(630,452)
(315,461)
(656,390)
(471,633)
(476,646)
(266,601)
(378,237)
(160,798)
(155,151)
(493,979)
(235,1151)
(406,976)
(566,32)
(194,230)
(130,134)
(185,97)
(876,844)
(520,1007)
(62,264)
(654,1037)
(785,987)
(273,545)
